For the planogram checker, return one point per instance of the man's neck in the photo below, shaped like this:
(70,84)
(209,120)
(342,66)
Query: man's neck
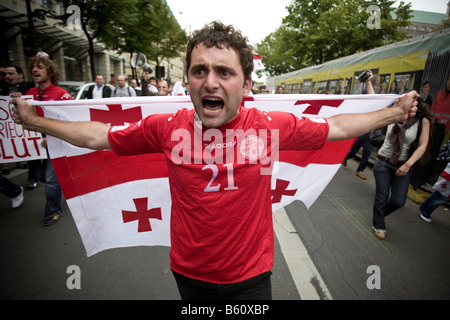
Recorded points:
(44,85)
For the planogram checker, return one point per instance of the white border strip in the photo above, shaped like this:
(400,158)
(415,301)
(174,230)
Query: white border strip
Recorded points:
(306,277)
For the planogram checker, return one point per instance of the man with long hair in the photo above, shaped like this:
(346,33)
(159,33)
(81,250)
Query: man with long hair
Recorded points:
(46,75)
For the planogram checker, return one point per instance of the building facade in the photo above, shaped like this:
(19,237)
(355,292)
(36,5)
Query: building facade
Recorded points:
(423,22)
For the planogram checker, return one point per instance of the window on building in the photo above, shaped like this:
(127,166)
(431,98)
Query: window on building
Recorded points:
(46,4)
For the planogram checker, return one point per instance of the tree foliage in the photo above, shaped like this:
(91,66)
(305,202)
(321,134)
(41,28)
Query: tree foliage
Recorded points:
(316,31)
(145,26)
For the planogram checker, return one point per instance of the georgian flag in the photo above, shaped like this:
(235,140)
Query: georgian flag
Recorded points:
(257,62)
(178,89)
(125,201)
(443,183)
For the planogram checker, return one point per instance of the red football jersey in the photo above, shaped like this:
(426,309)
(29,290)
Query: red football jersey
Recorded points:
(50,93)
(221,221)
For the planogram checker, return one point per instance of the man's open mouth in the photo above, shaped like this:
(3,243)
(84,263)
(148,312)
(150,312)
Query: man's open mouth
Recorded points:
(212,105)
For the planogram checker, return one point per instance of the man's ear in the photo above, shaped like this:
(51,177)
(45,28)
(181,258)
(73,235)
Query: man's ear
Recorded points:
(247,86)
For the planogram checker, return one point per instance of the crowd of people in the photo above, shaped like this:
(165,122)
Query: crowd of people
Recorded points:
(148,86)
(218,272)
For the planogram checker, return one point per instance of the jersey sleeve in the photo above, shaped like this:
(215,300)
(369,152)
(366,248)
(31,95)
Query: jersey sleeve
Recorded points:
(65,95)
(299,133)
(141,137)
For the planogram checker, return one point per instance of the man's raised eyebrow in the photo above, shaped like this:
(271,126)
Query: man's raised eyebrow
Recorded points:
(199,66)
(203,66)
(224,68)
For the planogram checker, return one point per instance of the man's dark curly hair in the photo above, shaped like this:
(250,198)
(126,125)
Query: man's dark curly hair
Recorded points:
(52,69)
(222,36)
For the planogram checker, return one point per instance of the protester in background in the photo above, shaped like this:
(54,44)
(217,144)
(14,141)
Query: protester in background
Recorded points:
(46,74)
(185,88)
(123,89)
(439,196)
(338,87)
(393,167)
(4,86)
(16,80)
(362,141)
(377,87)
(148,84)
(134,85)
(441,188)
(4,90)
(359,88)
(402,86)
(383,87)
(163,88)
(441,106)
(280,90)
(12,190)
(393,87)
(425,95)
(100,90)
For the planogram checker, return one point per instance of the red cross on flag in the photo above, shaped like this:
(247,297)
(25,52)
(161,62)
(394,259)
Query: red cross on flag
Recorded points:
(126,201)
(443,183)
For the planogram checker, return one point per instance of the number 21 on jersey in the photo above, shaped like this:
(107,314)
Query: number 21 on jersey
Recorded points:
(215,187)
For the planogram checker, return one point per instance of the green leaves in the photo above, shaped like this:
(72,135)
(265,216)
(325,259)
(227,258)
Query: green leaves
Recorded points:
(318,31)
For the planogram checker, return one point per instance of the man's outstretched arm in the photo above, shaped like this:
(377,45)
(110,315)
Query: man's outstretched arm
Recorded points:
(345,126)
(92,135)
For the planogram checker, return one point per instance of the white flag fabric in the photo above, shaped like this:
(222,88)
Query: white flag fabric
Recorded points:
(125,201)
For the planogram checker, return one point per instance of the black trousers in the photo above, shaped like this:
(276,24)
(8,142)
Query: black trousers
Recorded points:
(256,288)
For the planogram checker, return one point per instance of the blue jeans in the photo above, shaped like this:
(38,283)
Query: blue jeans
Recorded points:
(362,141)
(9,188)
(391,191)
(52,192)
(431,203)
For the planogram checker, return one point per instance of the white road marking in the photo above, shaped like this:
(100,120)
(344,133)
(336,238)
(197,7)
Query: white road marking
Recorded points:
(306,277)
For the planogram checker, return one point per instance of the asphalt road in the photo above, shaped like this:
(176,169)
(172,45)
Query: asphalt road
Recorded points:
(412,263)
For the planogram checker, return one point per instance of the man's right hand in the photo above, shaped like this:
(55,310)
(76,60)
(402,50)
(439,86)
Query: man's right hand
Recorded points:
(15,94)
(23,113)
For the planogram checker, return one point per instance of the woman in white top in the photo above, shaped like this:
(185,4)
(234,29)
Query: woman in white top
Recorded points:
(393,166)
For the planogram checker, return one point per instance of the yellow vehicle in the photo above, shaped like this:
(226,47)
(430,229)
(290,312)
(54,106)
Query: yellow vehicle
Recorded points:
(412,61)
